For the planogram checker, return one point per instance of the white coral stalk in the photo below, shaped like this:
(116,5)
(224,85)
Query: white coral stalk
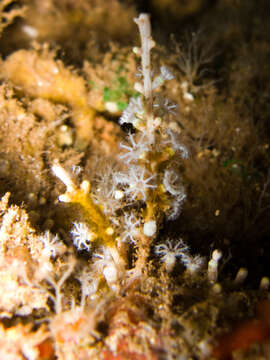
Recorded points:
(212,271)
(143,22)
(64,176)
(107,263)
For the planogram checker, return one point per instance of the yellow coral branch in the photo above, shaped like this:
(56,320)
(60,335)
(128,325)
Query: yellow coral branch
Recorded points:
(92,213)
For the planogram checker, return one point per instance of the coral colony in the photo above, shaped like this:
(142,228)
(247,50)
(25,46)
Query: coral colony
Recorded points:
(150,184)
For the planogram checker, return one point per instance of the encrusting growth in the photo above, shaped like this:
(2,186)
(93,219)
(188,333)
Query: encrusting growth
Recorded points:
(41,76)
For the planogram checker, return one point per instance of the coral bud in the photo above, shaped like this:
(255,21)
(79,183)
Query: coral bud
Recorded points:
(188,97)
(63,175)
(137,50)
(138,87)
(264,284)
(85,186)
(64,198)
(240,276)
(110,273)
(109,231)
(213,266)
(118,194)
(150,228)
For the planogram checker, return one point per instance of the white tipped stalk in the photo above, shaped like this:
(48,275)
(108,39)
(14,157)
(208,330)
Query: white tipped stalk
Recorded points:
(110,273)
(143,22)
(85,186)
(64,176)
(213,266)
(64,198)
(265,283)
(241,276)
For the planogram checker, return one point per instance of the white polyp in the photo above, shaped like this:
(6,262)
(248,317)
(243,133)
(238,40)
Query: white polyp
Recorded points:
(212,270)
(85,186)
(184,86)
(112,107)
(30,31)
(170,261)
(241,276)
(82,236)
(205,348)
(136,50)
(64,198)
(216,255)
(64,176)
(109,230)
(152,43)
(188,97)
(150,228)
(138,87)
(193,264)
(171,183)
(157,122)
(118,194)
(110,273)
